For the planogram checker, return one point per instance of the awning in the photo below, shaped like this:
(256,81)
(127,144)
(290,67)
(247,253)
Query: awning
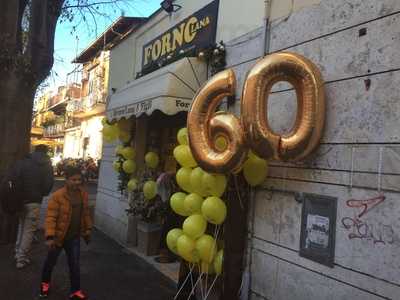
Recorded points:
(169,90)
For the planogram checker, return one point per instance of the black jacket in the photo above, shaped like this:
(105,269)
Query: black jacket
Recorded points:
(36,174)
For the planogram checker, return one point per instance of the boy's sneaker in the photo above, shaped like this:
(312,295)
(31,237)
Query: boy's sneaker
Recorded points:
(44,290)
(78,295)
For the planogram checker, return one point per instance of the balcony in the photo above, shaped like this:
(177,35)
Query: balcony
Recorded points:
(52,131)
(91,105)
(71,122)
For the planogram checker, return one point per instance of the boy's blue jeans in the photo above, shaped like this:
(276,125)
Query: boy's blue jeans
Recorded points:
(72,250)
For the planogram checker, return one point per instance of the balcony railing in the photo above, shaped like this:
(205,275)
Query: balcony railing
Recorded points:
(71,122)
(87,103)
(54,130)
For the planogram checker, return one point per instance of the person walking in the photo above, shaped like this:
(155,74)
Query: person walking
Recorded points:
(67,221)
(36,176)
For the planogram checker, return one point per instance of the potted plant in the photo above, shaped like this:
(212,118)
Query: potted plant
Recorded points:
(150,214)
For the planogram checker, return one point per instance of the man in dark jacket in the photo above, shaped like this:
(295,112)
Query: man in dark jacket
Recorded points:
(36,175)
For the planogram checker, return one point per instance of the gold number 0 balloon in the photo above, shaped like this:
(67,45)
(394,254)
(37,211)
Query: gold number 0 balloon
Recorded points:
(204,125)
(307,130)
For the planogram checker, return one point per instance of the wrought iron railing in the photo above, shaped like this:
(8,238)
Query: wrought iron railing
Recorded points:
(54,130)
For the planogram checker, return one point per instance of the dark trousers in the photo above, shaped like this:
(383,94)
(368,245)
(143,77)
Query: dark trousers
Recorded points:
(72,250)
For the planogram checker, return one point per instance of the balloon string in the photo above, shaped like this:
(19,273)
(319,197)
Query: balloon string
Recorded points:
(201,283)
(191,280)
(238,193)
(184,282)
(212,285)
(194,286)
(216,233)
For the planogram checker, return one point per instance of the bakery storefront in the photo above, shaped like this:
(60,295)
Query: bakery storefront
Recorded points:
(274,190)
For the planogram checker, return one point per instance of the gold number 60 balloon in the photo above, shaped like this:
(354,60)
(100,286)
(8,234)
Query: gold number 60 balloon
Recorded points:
(254,131)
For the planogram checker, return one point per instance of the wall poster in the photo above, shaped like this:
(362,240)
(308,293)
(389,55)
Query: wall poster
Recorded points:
(318,228)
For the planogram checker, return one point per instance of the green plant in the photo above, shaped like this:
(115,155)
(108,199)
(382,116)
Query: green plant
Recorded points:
(151,211)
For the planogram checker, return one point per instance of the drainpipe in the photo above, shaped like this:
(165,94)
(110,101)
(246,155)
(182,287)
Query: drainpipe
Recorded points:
(266,33)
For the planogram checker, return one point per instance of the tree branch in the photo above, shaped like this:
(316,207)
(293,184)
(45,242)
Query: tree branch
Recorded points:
(87,4)
(42,29)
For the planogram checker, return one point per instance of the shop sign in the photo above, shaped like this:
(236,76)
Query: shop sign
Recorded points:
(148,106)
(198,31)
(133,109)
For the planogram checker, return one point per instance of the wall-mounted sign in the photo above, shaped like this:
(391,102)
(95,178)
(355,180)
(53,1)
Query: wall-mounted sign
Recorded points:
(196,32)
(318,228)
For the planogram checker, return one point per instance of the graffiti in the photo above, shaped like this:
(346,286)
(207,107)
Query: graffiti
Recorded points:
(367,204)
(377,233)
(363,229)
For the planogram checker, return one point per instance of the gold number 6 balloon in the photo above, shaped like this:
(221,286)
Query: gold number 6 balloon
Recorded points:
(204,125)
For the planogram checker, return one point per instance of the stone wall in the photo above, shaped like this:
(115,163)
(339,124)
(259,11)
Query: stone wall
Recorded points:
(356,46)
(110,214)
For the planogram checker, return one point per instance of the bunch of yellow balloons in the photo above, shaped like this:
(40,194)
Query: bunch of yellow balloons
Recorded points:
(119,130)
(110,132)
(125,163)
(201,204)
(124,128)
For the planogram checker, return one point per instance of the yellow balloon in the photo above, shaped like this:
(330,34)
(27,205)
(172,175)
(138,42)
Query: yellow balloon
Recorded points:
(206,247)
(192,203)
(221,144)
(218,262)
(215,184)
(124,125)
(187,248)
(151,159)
(214,210)
(182,136)
(129,166)
(196,181)
(183,179)
(172,239)
(107,130)
(132,184)
(128,153)
(111,131)
(194,226)
(184,156)
(150,189)
(107,139)
(117,166)
(255,170)
(177,204)
(119,149)
(207,268)
(124,136)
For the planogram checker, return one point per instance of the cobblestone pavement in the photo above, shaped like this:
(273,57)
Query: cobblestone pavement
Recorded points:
(107,272)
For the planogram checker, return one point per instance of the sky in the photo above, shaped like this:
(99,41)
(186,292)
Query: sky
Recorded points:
(68,45)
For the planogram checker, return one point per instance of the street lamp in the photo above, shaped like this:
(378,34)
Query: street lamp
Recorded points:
(169,7)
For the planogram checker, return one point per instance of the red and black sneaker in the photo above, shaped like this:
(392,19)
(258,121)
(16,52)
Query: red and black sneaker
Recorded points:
(44,290)
(78,295)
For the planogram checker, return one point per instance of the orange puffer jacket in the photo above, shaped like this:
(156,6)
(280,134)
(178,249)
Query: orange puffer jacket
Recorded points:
(59,213)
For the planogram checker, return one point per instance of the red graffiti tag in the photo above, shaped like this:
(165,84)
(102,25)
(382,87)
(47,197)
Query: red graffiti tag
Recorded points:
(366,204)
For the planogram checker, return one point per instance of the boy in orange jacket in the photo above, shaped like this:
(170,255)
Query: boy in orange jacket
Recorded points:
(67,220)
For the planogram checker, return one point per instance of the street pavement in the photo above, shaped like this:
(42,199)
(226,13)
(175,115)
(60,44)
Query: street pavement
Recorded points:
(108,271)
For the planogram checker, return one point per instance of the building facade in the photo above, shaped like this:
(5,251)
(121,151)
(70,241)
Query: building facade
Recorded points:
(356,169)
